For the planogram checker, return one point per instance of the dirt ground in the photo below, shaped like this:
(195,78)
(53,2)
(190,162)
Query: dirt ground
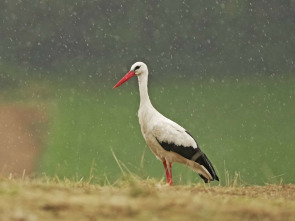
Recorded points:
(21,135)
(31,200)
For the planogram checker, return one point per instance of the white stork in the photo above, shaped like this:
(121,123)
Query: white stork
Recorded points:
(166,139)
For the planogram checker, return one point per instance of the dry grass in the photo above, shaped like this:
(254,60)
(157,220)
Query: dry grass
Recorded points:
(135,199)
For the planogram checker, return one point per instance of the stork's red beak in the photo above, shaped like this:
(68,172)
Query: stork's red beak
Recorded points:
(129,75)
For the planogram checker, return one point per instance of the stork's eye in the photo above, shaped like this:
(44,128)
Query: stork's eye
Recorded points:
(137,67)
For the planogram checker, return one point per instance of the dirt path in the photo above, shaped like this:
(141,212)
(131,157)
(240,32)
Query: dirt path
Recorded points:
(21,133)
(143,200)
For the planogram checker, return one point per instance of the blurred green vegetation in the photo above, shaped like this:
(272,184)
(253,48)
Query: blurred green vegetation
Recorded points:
(244,125)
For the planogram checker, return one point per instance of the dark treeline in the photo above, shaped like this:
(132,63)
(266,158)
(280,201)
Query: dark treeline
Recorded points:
(198,37)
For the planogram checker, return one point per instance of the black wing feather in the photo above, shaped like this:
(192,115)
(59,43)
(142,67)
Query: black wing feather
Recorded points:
(191,153)
(186,152)
(203,160)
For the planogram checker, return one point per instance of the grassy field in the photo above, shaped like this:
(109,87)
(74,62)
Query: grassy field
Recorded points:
(136,199)
(244,125)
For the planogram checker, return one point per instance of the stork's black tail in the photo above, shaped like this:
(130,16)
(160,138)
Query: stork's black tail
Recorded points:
(204,161)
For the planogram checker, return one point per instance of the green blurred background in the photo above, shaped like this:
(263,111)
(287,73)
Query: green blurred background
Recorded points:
(224,70)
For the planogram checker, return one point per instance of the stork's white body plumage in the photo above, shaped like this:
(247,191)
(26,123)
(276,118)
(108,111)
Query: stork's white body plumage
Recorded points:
(167,140)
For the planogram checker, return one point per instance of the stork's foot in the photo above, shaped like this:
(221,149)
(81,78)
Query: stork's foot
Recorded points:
(170,181)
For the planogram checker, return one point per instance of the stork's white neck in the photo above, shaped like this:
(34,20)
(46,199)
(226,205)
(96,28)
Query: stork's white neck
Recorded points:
(143,90)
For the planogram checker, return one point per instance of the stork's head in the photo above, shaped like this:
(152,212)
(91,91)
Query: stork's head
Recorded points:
(138,68)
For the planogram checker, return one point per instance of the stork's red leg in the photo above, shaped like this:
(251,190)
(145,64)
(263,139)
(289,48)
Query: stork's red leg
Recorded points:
(170,168)
(166,171)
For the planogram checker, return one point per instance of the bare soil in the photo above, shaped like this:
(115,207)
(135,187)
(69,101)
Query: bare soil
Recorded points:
(142,200)
(21,134)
